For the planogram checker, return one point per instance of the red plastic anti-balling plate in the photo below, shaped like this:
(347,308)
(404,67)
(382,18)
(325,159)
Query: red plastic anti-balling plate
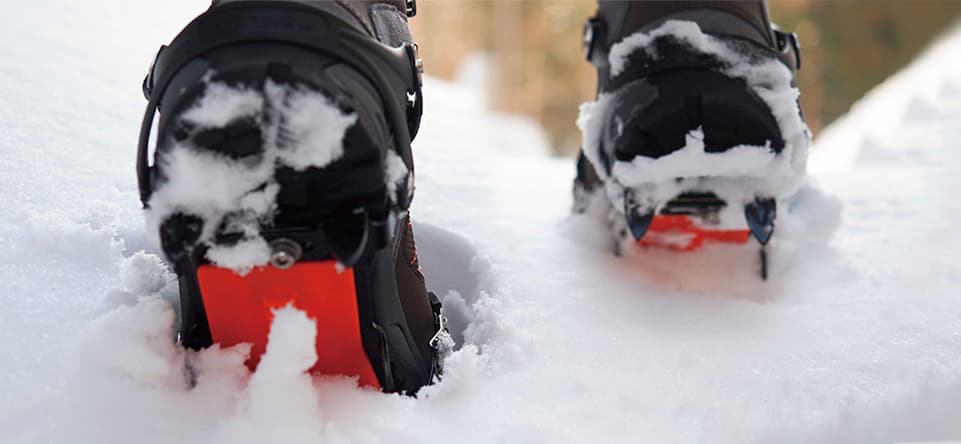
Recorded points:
(681,233)
(240,310)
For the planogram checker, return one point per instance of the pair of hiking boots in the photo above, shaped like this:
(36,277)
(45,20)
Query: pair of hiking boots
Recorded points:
(283,171)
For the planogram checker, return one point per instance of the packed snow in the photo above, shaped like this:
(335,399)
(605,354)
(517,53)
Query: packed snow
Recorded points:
(301,129)
(739,161)
(396,172)
(855,338)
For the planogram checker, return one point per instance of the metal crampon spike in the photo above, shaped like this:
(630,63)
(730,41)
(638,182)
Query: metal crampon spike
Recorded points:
(760,216)
(639,223)
(638,219)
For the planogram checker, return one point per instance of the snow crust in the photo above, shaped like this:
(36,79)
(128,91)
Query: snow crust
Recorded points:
(396,173)
(222,104)
(739,161)
(301,129)
(313,127)
(744,171)
(854,339)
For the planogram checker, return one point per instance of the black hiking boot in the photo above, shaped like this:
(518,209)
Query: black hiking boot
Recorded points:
(283,176)
(696,133)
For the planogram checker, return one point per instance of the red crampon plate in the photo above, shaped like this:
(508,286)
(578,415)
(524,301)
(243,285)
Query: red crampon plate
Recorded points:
(240,310)
(681,233)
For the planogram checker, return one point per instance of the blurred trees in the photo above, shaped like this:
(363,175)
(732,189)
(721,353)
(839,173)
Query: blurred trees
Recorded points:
(537,69)
(850,46)
(535,49)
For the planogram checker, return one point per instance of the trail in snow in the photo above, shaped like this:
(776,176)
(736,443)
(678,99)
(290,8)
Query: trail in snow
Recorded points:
(855,339)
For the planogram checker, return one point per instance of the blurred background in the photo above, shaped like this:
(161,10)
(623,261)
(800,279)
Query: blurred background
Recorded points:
(528,52)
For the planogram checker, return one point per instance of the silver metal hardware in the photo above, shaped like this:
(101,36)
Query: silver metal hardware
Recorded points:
(284,253)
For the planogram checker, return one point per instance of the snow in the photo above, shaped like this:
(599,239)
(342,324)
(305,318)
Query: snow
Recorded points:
(242,256)
(688,32)
(314,127)
(692,160)
(396,172)
(302,129)
(222,104)
(854,339)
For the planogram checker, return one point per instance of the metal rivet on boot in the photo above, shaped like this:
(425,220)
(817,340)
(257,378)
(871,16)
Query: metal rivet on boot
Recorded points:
(284,253)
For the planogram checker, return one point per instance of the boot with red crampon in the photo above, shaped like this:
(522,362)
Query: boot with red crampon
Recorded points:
(282,176)
(696,134)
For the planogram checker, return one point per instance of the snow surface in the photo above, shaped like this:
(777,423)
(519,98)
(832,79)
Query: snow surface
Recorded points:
(856,338)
